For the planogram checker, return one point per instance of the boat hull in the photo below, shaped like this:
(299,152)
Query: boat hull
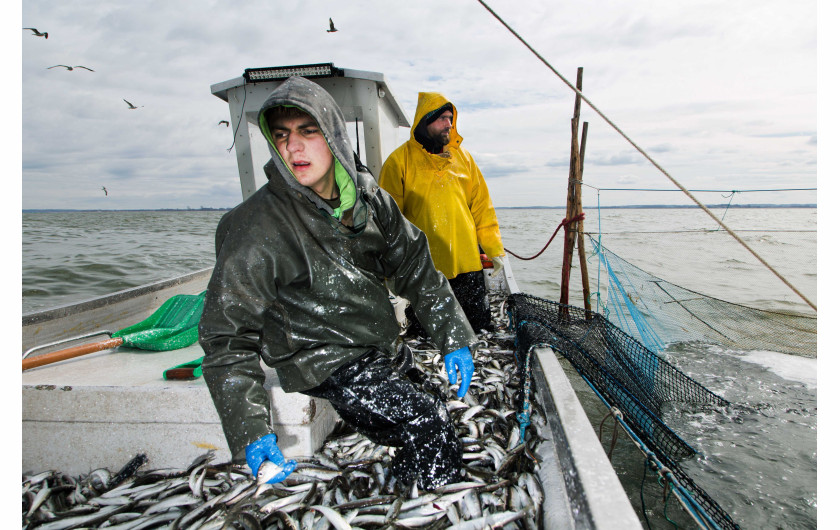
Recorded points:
(102,409)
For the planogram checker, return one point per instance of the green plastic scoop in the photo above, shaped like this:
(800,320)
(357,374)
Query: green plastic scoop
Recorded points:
(174,325)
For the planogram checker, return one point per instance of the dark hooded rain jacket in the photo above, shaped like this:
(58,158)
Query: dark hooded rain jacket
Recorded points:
(301,285)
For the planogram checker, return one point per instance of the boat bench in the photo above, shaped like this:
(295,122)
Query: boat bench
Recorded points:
(102,409)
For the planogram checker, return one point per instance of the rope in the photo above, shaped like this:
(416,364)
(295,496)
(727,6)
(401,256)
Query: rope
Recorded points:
(241,113)
(600,304)
(666,493)
(616,414)
(652,161)
(731,197)
(698,191)
(524,417)
(697,231)
(642,490)
(564,223)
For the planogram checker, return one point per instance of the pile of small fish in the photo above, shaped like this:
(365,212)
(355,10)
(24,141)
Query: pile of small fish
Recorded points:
(345,485)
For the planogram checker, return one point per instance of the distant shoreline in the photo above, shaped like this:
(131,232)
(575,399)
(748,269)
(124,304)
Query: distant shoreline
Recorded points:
(635,206)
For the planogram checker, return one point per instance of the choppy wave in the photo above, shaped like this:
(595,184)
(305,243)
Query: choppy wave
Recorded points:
(73,256)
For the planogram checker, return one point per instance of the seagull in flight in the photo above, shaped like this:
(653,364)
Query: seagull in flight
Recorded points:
(69,68)
(105,190)
(39,34)
(227,123)
(131,105)
(332,27)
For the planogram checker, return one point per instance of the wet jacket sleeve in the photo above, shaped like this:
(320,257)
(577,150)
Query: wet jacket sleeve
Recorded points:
(484,215)
(412,275)
(229,332)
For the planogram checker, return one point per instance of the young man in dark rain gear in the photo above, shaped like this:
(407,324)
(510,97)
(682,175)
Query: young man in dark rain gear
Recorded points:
(299,283)
(439,188)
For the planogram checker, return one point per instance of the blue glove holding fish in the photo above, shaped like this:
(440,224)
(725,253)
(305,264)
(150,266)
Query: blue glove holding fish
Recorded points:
(460,360)
(267,462)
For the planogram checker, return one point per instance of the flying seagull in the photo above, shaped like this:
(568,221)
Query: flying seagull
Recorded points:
(227,123)
(105,190)
(332,27)
(69,67)
(131,105)
(39,34)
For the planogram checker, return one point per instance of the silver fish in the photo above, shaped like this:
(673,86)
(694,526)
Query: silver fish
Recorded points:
(284,501)
(495,520)
(267,471)
(333,516)
(82,520)
(39,499)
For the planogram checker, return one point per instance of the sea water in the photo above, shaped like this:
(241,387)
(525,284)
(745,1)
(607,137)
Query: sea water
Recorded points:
(757,459)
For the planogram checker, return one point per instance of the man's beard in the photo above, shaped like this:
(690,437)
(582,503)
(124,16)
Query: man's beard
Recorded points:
(441,139)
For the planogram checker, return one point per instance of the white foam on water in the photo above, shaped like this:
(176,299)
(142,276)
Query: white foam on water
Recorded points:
(791,367)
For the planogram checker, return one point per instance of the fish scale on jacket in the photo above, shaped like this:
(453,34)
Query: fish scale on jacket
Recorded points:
(289,268)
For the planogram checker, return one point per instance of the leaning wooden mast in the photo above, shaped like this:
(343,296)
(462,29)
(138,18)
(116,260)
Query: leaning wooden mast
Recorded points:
(574,207)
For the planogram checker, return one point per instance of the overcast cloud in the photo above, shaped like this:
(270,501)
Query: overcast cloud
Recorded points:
(722,94)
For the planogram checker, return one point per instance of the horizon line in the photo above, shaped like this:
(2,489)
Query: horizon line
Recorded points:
(533,207)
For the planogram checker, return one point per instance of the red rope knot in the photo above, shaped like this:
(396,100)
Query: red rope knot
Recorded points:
(566,222)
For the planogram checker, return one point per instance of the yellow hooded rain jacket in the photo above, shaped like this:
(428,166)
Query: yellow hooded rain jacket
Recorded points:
(444,195)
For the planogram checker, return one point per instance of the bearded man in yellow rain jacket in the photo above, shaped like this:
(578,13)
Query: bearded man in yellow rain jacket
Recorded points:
(439,188)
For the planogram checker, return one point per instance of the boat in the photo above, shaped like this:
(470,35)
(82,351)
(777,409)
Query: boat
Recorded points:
(101,409)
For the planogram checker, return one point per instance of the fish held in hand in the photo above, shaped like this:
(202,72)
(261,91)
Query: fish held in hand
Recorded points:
(269,471)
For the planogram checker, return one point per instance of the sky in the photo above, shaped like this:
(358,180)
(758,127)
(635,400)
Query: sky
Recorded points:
(722,95)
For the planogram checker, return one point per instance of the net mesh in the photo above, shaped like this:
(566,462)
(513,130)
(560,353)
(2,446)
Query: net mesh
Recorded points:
(625,372)
(657,312)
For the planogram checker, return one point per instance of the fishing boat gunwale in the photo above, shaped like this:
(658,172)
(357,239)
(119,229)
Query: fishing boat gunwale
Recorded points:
(44,331)
(52,313)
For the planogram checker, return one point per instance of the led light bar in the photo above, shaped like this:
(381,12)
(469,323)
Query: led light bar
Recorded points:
(276,73)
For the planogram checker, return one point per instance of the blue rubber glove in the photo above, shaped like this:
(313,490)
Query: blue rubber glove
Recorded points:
(266,449)
(462,361)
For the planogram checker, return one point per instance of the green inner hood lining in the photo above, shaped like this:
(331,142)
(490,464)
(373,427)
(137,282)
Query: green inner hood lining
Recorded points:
(343,180)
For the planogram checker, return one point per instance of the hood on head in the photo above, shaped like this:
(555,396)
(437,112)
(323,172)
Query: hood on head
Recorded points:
(317,102)
(427,103)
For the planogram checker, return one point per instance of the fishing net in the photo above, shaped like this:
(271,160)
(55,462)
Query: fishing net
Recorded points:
(624,372)
(657,312)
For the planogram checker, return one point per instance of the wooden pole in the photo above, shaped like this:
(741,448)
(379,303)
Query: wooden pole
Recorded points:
(571,199)
(584,271)
(69,353)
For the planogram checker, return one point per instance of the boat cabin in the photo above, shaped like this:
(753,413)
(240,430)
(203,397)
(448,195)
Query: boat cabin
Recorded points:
(374,117)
